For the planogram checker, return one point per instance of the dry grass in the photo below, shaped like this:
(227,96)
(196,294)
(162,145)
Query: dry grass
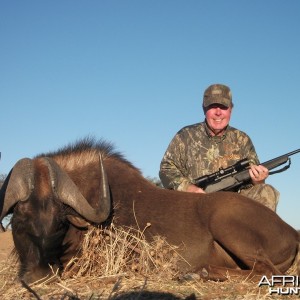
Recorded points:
(120,264)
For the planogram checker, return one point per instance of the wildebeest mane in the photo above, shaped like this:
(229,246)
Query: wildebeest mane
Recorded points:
(87,148)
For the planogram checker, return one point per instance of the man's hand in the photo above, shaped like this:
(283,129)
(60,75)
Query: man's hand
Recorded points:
(194,189)
(258,174)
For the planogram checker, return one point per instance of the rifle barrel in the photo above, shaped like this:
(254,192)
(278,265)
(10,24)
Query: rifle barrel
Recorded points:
(293,152)
(283,157)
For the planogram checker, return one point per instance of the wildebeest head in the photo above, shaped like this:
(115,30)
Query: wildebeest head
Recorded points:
(45,200)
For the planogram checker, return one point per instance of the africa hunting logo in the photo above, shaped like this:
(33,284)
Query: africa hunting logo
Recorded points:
(281,284)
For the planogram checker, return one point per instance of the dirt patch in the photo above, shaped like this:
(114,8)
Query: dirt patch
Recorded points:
(6,245)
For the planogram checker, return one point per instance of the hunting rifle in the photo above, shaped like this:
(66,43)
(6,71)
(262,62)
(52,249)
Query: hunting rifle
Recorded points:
(237,175)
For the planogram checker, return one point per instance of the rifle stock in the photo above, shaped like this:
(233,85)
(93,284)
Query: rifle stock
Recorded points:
(235,176)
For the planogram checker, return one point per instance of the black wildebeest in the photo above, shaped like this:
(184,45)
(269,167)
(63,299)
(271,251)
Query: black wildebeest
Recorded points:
(54,194)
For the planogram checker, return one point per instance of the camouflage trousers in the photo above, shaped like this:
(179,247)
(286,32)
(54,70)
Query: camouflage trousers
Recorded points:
(264,194)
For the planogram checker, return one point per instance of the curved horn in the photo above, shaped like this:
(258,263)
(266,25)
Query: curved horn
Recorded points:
(17,186)
(68,192)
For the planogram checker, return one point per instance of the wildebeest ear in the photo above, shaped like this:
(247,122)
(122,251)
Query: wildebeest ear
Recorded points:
(77,221)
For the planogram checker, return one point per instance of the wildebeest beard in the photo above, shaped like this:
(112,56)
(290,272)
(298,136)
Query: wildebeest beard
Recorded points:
(43,240)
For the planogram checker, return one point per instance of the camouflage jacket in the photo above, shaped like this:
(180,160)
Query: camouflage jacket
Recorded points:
(193,152)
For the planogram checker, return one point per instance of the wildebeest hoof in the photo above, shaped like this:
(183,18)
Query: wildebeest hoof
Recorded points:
(189,277)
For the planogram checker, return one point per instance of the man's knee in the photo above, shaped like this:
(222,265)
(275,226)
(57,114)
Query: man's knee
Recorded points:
(264,194)
(271,196)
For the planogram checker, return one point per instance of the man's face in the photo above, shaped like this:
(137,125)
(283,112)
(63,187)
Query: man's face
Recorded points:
(217,117)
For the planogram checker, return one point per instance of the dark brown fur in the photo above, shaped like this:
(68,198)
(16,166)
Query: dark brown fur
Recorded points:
(217,233)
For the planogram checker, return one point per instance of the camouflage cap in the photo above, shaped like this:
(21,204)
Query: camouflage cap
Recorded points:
(217,93)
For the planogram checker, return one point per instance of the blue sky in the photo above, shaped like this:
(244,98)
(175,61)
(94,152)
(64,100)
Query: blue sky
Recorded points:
(133,73)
